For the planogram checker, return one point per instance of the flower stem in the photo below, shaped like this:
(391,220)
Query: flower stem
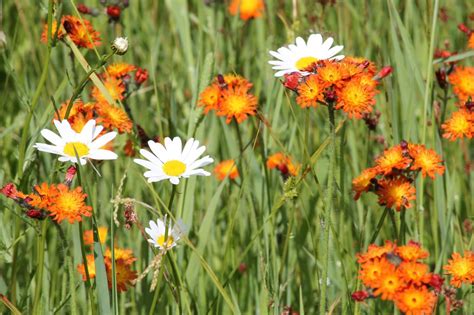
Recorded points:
(86,268)
(40,268)
(379,225)
(329,208)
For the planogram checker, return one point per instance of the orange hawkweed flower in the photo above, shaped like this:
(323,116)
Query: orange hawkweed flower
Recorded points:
(459,125)
(372,271)
(362,183)
(416,300)
(69,205)
(462,80)
(81,32)
(311,91)
(235,81)
(396,192)
(426,160)
(90,268)
(414,272)
(248,9)
(121,254)
(237,104)
(79,120)
(393,158)
(332,73)
(356,98)
(124,275)
(389,284)
(374,251)
(43,197)
(357,65)
(54,28)
(120,69)
(461,268)
(411,252)
(283,163)
(226,168)
(111,117)
(114,86)
(470,42)
(210,97)
(89,235)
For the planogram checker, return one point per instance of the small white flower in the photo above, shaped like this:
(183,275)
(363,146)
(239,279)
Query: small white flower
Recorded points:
(295,58)
(69,143)
(157,232)
(172,161)
(120,45)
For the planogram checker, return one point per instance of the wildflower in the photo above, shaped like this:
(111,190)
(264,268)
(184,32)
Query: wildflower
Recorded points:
(462,79)
(411,252)
(426,160)
(297,58)
(414,272)
(363,182)
(123,255)
(173,162)
(89,235)
(226,168)
(389,284)
(461,269)
(114,86)
(120,45)
(360,296)
(470,42)
(54,29)
(374,251)
(43,197)
(415,300)
(124,275)
(162,238)
(10,191)
(90,268)
(120,69)
(396,193)
(372,271)
(111,116)
(70,143)
(393,158)
(356,98)
(141,76)
(332,73)
(459,125)
(383,73)
(283,163)
(209,98)
(292,80)
(311,91)
(69,205)
(248,9)
(113,11)
(237,104)
(81,32)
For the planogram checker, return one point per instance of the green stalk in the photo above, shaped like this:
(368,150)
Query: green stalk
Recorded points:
(86,268)
(379,225)
(329,208)
(40,268)
(427,99)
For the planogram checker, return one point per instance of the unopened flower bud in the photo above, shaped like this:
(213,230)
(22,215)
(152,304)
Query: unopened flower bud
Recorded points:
(81,7)
(10,191)
(441,78)
(463,28)
(36,214)
(114,12)
(360,296)
(383,73)
(292,80)
(436,282)
(120,45)
(70,173)
(141,76)
(469,105)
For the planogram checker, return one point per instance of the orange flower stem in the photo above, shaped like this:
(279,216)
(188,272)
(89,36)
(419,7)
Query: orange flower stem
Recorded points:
(379,226)
(326,223)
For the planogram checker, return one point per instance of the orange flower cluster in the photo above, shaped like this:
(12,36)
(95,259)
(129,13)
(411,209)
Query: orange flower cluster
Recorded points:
(226,168)
(124,274)
(248,9)
(79,30)
(229,96)
(57,201)
(395,273)
(461,269)
(351,84)
(283,163)
(396,170)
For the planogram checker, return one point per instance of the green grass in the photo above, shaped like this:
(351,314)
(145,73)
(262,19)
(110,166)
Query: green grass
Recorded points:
(273,228)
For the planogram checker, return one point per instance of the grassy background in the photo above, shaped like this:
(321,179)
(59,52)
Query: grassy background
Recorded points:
(184,44)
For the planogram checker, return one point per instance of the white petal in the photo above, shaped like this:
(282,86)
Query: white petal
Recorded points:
(52,137)
(201,162)
(327,43)
(97,131)
(101,154)
(159,150)
(65,130)
(87,132)
(331,52)
(174,180)
(103,140)
(147,164)
(193,155)
(198,172)
(177,147)
(151,157)
(315,41)
(300,42)
(47,148)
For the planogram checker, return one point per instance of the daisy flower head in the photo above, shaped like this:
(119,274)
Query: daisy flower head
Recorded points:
(165,237)
(299,56)
(172,161)
(70,144)
(54,30)
(120,69)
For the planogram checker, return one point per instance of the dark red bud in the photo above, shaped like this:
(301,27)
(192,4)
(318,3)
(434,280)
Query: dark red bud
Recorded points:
(463,28)
(441,78)
(9,190)
(35,214)
(360,296)
(384,72)
(141,76)
(81,7)
(114,11)
(292,80)
(243,268)
(436,282)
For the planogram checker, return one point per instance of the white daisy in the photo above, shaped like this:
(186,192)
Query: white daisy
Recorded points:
(69,143)
(172,161)
(157,232)
(295,58)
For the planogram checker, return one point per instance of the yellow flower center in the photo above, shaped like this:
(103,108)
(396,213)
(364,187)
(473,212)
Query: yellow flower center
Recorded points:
(305,62)
(462,267)
(169,242)
(73,148)
(236,103)
(174,168)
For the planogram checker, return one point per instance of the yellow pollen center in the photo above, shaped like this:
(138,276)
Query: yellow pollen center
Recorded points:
(73,148)
(305,62)
(174,168)
(161,241)
(236,103)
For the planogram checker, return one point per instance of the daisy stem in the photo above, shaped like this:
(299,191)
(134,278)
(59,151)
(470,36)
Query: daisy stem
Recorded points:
(328,209)
(40,268)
